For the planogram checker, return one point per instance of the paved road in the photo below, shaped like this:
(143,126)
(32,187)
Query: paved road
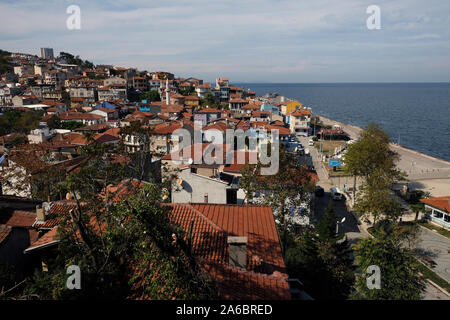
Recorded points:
(436,247)
(431,244)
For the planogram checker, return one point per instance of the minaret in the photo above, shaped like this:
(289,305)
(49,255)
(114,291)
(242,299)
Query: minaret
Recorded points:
(167,92)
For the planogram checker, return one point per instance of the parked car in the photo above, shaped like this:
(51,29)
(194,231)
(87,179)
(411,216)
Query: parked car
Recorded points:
(336,194)
(319,191)
(310,142)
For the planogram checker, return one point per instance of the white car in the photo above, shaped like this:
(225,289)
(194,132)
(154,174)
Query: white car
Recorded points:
(310,142)
(336,194)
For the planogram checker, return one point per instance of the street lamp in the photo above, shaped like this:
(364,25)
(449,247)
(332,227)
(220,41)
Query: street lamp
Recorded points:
(337,224)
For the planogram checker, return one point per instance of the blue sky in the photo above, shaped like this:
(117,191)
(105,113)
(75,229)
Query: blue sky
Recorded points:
(246,40)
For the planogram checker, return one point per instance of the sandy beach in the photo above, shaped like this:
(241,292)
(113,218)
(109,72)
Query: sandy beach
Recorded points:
(423,171)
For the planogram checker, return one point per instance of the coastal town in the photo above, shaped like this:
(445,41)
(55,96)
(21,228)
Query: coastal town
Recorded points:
(93,163)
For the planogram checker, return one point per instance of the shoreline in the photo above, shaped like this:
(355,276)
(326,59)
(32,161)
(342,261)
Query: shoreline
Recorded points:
(355,130)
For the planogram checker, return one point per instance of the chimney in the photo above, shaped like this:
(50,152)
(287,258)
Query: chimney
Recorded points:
(40,216)
(237,247)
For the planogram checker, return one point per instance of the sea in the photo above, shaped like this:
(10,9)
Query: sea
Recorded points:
(416,115)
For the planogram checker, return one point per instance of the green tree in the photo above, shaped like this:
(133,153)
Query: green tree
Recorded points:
(322,260)
(54,122)
(400,278)
(150,96)
(71,125)
(122,239)
(372,160)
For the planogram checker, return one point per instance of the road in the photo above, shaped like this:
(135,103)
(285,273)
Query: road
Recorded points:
(437,247)
(432,244)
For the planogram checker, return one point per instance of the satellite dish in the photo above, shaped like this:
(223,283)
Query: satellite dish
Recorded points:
(343,219)
(190,161)
(67,196)
(46,206)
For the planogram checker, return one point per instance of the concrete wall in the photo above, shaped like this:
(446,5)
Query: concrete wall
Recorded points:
(194,188)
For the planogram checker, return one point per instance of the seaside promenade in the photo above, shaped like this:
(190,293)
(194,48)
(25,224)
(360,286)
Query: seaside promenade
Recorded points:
(423,171)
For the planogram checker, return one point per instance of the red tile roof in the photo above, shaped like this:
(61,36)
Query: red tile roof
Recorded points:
(301,112)
(17,218)
(56,209)
(166,128)
(265,274)
(4,232)
(220,126)
(105,138)
(209,110)
(51,237)
(251,107)
(79,116)
(442,203)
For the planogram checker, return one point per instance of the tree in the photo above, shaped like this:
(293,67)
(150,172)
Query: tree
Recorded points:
(150,96)
(122,239)
(400,277)
(19,121)
(211,101)
(54,122)
(187,92)
(371,159)
(31,172)
(286,191)
(322,260)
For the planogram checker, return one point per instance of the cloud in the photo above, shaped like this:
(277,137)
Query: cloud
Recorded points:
(280,40)
(422,36)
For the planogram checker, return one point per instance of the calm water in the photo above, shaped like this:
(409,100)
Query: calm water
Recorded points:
(417,113)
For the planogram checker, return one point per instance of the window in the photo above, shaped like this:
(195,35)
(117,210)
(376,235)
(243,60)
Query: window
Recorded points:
(447,218)
(438,214)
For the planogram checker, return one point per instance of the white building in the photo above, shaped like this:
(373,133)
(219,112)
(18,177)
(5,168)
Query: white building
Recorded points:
(40,134)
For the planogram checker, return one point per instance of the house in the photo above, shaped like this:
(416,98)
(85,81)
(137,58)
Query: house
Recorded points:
(203,89)
(202,183)
(162,139)
(290,106)
(204,116)
(55,77)
(25,100)
(239,247)
(236,92)
(191,102)
(143,117)
(114,80)
(270,107)
(86,118)
(249,108)
(108,114)
(438,210)
(261,116)
(24,69)
(171,110)
(112,92)
(237,104)
(41,134)
(138,83)
(16,235)
(88,93)
(299,122)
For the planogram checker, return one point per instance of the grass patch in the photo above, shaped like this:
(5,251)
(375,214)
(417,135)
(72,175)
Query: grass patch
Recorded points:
(427,272)
(431,275)
(329,146)
(430,226)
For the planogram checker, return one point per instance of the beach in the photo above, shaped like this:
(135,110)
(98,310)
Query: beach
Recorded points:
(423,171)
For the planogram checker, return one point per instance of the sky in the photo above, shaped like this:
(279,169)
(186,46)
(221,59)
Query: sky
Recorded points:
(247,40)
